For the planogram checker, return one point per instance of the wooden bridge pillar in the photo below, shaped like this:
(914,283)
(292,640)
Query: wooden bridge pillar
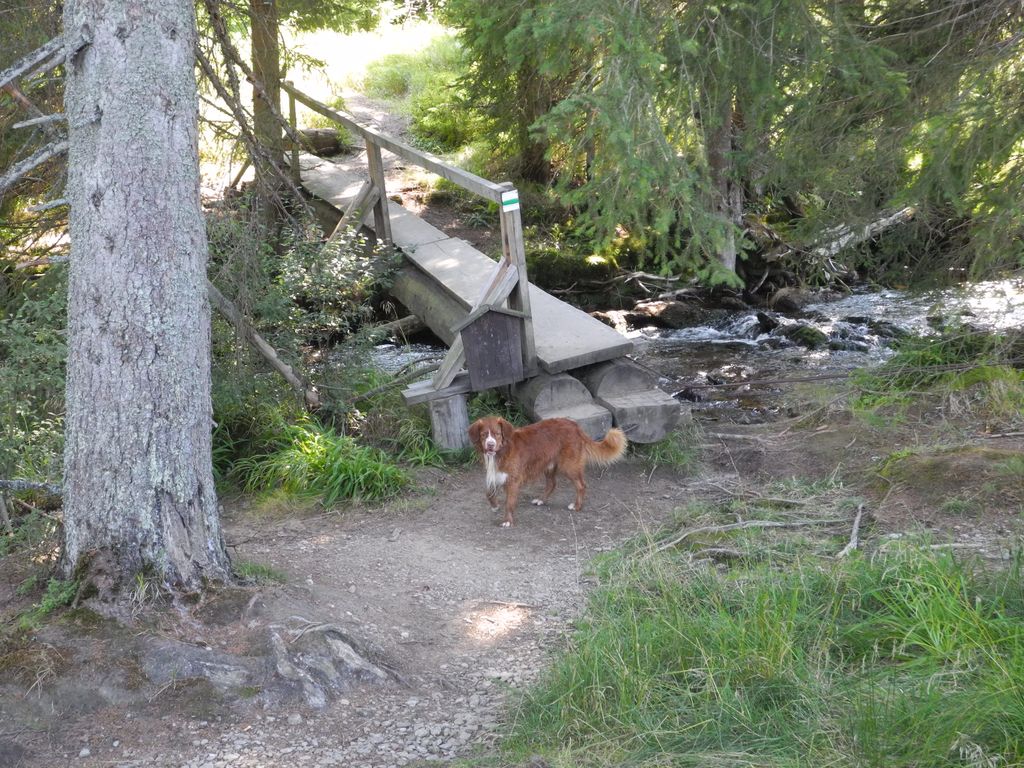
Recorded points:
(449,421)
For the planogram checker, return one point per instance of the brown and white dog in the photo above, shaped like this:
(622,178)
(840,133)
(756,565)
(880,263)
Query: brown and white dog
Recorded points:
(514,456)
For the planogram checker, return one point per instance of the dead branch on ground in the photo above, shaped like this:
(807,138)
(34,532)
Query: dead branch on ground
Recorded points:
(740,526)
(854,536)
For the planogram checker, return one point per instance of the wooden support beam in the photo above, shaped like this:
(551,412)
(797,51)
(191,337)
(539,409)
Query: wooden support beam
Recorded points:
(381,218)
(515,251)
(292,119)
(449,422)
(423,391)
(354,211)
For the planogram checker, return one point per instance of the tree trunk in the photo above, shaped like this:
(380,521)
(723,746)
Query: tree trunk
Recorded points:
(266,103)
(727,191)
(138,484)
(534,102)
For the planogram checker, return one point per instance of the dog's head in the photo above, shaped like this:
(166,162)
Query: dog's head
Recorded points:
(490,434)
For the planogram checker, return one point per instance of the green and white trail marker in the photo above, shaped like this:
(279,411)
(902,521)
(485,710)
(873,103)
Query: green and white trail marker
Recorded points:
(510,200)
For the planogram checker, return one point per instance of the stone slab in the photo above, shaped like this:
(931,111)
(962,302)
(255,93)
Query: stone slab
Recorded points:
(647,417)
(592,418)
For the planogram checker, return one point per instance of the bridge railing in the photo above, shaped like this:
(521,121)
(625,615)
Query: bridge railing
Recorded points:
(509,278)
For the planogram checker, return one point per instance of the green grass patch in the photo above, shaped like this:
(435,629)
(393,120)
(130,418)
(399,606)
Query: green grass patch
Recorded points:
(257,573)
(427,86)
(968,371)
(58,594)
(311,459)
(909,658)
(679,451)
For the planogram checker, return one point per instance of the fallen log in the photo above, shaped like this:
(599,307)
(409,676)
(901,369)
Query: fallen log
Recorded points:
(845,236)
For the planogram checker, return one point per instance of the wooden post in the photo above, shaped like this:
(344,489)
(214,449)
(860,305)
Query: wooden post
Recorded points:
(381,219)
(449,421)
(514,250)
(296,171)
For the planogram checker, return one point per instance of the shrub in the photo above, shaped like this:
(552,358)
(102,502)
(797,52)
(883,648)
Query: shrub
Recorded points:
(428,87)
(970,370)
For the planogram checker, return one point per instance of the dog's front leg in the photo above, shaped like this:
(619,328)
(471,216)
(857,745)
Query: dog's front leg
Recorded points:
(492,498)
(511,498)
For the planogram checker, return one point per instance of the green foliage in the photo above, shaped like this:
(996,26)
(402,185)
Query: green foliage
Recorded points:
(30,533)
(428,87)
(307,291)
(911,658)
(58,595)
(492,403)
(33,350)
(306,458)
(257,573)
(822,113)
(339,15)
(1013,467)
(975,370)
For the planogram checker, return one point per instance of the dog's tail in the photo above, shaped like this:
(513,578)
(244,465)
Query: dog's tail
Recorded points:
(608,450)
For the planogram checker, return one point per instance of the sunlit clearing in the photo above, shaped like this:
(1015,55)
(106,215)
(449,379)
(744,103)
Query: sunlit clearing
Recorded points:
(346,57)
(494,621)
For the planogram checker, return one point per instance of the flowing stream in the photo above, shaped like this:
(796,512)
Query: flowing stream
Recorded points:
(859,327)
(710,364)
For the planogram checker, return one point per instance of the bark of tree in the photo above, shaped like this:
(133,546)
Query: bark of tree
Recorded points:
(266,103)
(138,485)
(534,102)
(727,191)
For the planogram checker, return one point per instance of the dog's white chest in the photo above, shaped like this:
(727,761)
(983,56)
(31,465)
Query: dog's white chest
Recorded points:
(495,478)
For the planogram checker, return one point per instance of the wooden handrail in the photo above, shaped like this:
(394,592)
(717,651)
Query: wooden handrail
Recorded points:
(432,163)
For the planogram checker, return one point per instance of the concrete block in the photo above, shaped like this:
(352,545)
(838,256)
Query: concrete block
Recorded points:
(646,417)
(616,377)
(548,397)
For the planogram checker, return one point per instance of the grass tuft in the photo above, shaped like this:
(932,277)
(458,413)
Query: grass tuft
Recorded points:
(257,573)
(310,459)
(679,451)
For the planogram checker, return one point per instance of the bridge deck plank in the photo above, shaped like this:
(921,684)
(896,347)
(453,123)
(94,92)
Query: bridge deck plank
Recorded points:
(566,337)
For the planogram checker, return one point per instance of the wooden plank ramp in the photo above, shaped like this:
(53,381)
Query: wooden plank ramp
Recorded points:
(444,276)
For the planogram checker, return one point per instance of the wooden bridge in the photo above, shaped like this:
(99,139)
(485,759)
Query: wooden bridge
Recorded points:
(463,296)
